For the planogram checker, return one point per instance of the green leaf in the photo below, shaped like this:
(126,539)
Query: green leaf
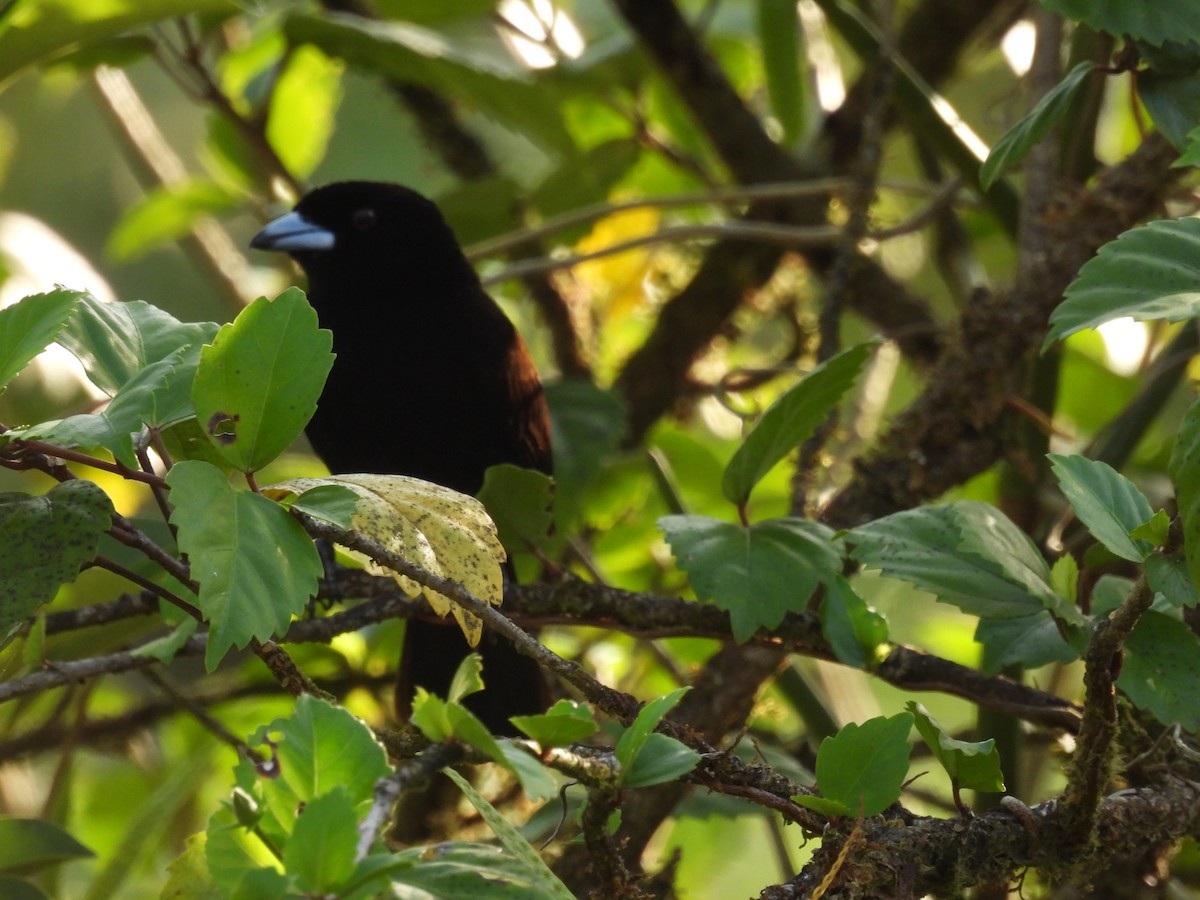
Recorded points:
(485,74)
(1152,22)
(28,326)
(333,503)
(303,105)
(1030,641)
(115,341)
(321,745)
(431,715)
(1156,529)
(782,55)
(255,564)
(467,679)
(165,648)
(536,870)
(537,781)
(974,766)
(661,759)
(581,179)
(451,870)
(321,850)
(587,426)
(1064,577)
(46,539)
(1184,469)
(136,404)
(27,844)
(12,888)
(1173,102)
(1168,576)
(1107,502)
(259,380)
(790,420)
(862,768)
(566,722)
(1160,673)
(634,738)
(1190,157)
(1016,143)
(519,502)
(757,574)
(1150,272)
(37,32)
(231,851)
(965,553)
(853,629)
(164,215)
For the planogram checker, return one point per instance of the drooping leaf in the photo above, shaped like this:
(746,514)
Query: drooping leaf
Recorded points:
(1150,272)
(1016,143)
(441,530)
(1160,673)
(861,768)
(259,380)
(255,565)
(973,765)
(792,419)
(28,326)
(758,574)
(46,539)
(853,629)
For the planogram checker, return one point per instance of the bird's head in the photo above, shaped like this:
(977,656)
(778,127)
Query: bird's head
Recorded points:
(368,227)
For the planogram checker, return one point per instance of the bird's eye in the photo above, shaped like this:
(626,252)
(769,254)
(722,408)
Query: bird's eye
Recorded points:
(364,218)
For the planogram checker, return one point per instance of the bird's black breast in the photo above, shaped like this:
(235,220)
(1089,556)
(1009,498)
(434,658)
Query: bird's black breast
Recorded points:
(431,391)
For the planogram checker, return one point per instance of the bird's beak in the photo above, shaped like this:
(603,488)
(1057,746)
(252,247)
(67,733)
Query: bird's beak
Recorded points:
(291,233)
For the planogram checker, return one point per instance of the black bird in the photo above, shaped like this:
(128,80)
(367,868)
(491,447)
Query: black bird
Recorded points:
(431,380)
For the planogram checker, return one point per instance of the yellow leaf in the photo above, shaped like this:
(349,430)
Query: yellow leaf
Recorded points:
(443,531)
(617,280)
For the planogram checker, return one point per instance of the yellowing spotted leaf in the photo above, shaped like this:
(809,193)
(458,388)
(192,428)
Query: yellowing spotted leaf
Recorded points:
(443,531)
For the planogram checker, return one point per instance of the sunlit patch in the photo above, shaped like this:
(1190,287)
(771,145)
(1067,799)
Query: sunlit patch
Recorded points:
(539,34)
(1017,46)
(831,86)
(945,109)
(1125,344)
(37,258)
